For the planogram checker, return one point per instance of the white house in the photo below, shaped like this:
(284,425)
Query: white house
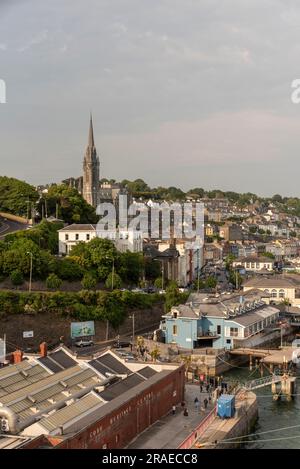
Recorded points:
(255,264)
(125,240)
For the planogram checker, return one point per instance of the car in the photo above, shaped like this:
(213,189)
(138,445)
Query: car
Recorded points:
(121,344)
(84,343)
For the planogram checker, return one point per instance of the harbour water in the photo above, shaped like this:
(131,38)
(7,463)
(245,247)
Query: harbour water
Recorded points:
(273,415)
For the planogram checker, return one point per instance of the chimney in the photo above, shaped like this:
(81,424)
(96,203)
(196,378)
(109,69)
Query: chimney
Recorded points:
(43,349)
(17,356)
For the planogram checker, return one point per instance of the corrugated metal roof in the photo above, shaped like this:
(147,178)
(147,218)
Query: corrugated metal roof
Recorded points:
(86,404)
(52,379)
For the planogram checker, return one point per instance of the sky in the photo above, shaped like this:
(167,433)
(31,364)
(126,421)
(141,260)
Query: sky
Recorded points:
(185,93)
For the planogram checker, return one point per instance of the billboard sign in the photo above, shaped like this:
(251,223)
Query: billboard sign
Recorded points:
(82,329)
(27,334)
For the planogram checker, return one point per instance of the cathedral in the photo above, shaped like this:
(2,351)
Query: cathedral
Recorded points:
(91,171)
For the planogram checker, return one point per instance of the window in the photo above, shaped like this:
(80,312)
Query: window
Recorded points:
(274,293)
(88,237)
(175,330)
(281,293)
(77,236)
(228,341)
(267,291)
(175,315)
(218,329)
(234,331)
(67,237)
(248,265)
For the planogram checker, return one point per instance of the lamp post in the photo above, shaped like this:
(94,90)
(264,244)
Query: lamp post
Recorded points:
(133,328)
(30,275)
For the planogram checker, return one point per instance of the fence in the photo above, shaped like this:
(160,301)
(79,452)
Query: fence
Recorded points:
(191,439)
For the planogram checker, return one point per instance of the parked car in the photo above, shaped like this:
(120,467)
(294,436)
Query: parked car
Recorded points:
(84,343)
(121,344)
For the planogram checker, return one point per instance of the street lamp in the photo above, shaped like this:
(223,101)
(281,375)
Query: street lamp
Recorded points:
(133,328)
(30,275)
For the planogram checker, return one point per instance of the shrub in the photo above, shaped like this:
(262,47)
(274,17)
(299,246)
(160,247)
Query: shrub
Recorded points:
(16,277)
(89,282)
(113,281)
(53,282)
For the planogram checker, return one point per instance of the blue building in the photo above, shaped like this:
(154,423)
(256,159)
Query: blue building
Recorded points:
(223,321)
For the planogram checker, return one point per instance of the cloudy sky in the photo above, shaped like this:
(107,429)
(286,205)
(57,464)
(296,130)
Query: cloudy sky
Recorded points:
(183,92)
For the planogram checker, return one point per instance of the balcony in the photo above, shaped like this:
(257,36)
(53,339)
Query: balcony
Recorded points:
(207,334)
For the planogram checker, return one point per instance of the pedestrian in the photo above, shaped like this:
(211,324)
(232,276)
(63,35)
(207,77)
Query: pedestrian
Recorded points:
(201,387)
(196,402)
(207,388)
(173,409)
(209,398)
(182,404)
(205,403)
(186,412)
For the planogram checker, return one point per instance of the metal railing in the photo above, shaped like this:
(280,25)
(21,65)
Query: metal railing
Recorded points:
(199,430)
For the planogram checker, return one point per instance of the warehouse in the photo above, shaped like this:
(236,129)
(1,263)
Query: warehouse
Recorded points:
(61,401)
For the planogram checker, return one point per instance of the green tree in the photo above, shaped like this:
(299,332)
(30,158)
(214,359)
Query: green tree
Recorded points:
(68,269)
(89,282)
(17,257)
(113,281)
(173,296)
(131,265)
(53,282)
(16,196)
(211,282)
(16,278)
(72,207)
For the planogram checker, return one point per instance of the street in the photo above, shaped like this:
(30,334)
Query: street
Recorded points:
(9,226)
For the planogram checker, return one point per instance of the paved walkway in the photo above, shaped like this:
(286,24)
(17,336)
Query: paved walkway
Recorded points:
(171,430)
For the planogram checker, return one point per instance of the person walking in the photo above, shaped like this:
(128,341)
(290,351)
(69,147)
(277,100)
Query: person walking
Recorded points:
(173,409)
(201,387)
(186,412)
(207,387)
(197,403)
(205,403)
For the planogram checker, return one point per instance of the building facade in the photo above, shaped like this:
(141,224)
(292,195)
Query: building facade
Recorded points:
(124,240)
(218,322)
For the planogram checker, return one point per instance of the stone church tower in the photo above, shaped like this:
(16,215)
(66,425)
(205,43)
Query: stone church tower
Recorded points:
(91,171)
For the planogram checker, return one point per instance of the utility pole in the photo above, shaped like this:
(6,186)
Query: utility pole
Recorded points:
(30,275)
(162,275)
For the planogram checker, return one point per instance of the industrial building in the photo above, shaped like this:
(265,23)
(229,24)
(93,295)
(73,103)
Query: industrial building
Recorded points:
(58,400)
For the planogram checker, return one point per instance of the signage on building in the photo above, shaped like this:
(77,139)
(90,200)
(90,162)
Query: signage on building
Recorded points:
(27,334)
(82,329)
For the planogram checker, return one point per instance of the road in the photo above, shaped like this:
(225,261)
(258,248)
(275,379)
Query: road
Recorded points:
(99,346)
(9,226)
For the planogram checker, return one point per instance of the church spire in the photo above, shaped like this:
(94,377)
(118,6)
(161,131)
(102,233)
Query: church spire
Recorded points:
(91,133)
